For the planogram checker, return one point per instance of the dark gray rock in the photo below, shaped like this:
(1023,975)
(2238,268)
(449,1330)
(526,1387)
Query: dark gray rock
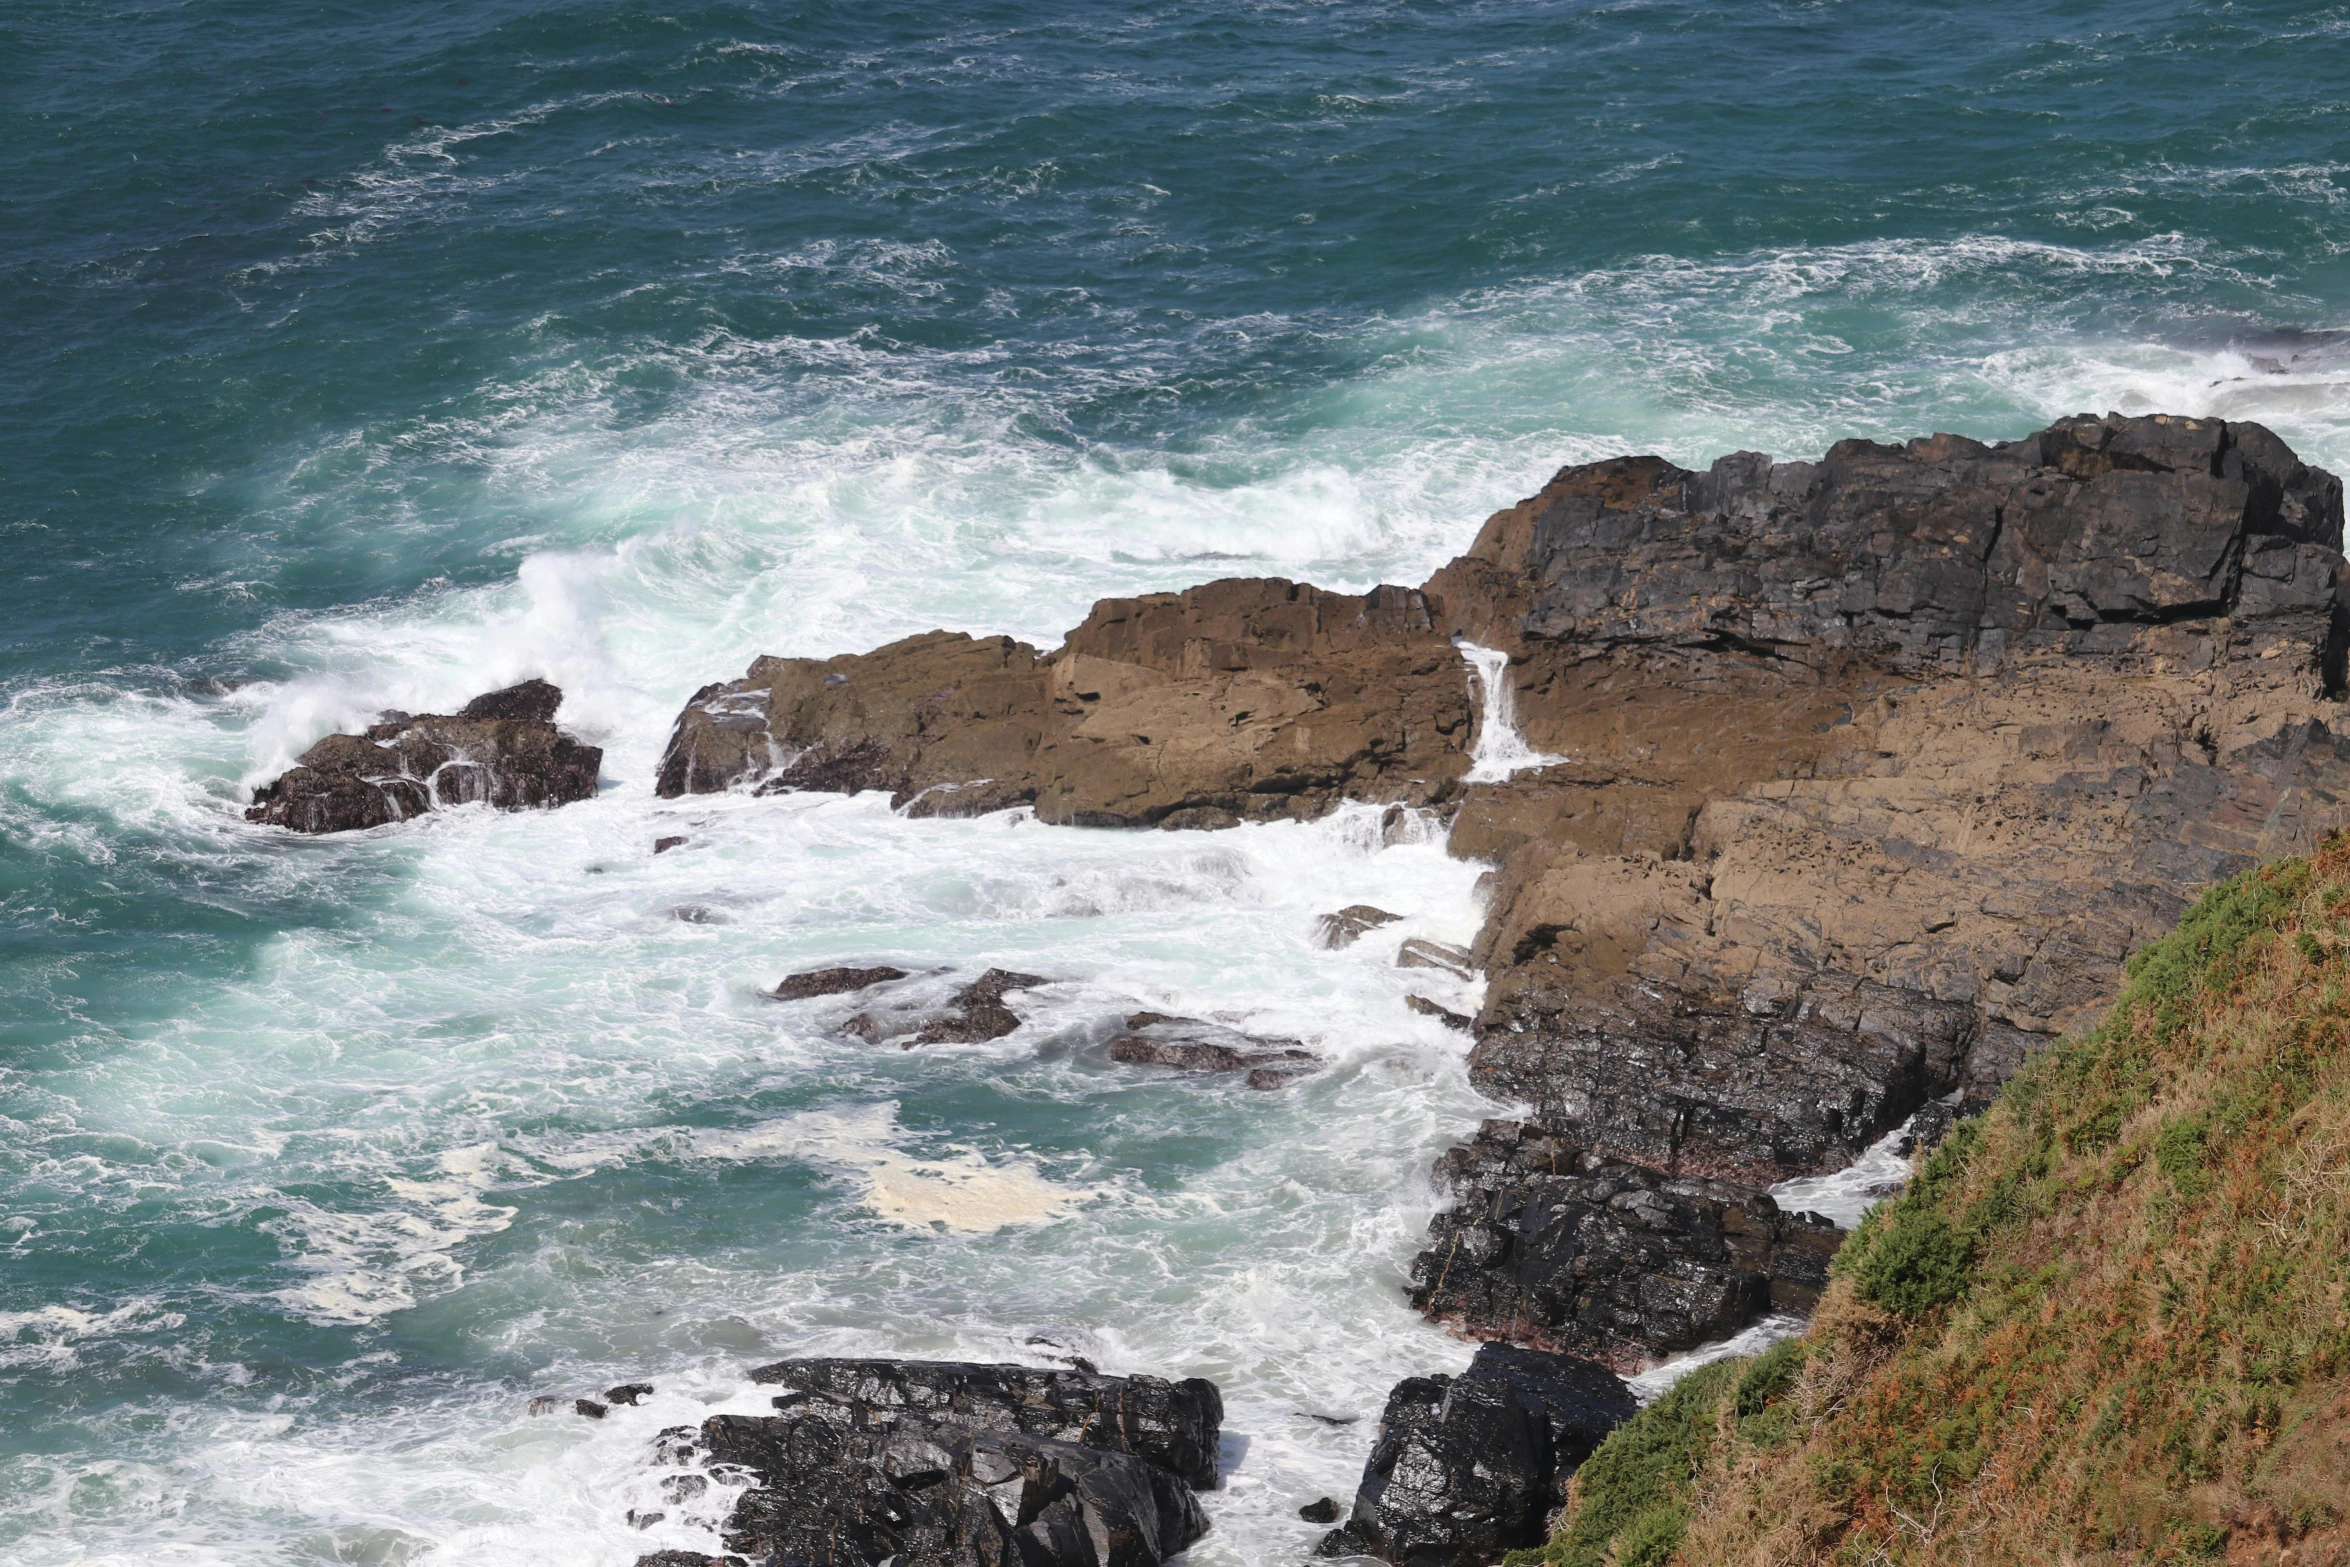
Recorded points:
(919,1491)
(1468,1467)
(1174,1425)
(503,750)
(965,1465)
(1552,1245)
(833,981)
(972,1015)
(1188,1044)
(1705,1085)
(1930,553)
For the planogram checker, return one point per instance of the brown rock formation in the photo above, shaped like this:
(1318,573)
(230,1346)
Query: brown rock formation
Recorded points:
(502,748)
(1241,700)
(1874,768)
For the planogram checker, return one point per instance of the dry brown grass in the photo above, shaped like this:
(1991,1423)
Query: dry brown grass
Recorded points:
(2147,1358)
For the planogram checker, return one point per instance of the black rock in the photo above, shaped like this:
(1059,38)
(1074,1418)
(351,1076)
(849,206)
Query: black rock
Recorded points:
(1189,1045)
(1553,1245)
(1468,1467)
(833,981)
(588,1407)
(664,845)
(964,1465)
(532,702)
(628,1393)
(974,1014)
(1752,1093)
(503,749)
(1320,1510)
(1174,1425)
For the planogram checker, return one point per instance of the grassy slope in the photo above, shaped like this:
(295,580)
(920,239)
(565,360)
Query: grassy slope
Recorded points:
(2106,1323)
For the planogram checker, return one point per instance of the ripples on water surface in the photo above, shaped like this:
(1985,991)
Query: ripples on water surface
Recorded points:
(360,360)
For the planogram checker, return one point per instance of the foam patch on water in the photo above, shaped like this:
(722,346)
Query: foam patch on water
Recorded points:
(966,1192)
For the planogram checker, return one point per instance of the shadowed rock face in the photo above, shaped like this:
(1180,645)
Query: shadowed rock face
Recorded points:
(1469,1467)
(968,1465)
(1548,1245)
(502,748)
(1874,770)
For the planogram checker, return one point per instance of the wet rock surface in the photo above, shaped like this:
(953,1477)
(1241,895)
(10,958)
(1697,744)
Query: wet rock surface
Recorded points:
(1468,1467)
(1552,1245)
(833,982)
(502,749)
(1350,924)
(955,1463)
(972,1015)
(1188,1044)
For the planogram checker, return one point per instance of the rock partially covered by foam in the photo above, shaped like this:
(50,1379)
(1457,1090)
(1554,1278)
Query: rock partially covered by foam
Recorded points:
(1187,1044)
(962,1464)
(502,749)
(973,1014)
(1551,1244)
(1468,1467)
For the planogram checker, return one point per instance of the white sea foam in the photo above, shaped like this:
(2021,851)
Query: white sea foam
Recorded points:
(1845,1196)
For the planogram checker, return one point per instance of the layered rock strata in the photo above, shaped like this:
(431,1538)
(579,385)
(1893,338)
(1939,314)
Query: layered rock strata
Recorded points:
(1870,771)
(963,1465)
(1468,1467)
(500,749)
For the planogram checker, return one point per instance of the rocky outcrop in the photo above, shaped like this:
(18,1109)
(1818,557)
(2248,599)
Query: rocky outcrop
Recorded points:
(833,982)
(1551,1245)
(965,1465)
(1186,1044)
(973,1014)
(1869,772)
(502,749)
(1468,1467)
(1244,700)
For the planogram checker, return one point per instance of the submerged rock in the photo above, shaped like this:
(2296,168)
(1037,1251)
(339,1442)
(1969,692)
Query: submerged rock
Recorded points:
(1350,924)
(502,748)
(1419,952)
(1550,1244)
(974,1014)
(1442,1013)
(1189,1045)
(966,1465)
(1468,1467)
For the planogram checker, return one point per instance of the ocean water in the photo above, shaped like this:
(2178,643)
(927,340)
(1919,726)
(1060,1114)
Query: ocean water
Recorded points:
(365,357)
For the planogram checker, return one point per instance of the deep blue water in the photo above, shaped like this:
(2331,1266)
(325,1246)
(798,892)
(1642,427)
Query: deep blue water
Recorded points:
(357,356)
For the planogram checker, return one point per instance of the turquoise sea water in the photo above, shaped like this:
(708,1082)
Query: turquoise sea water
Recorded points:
(355,357)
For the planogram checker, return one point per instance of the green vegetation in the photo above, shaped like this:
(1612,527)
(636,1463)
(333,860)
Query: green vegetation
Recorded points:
(2109,1321)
